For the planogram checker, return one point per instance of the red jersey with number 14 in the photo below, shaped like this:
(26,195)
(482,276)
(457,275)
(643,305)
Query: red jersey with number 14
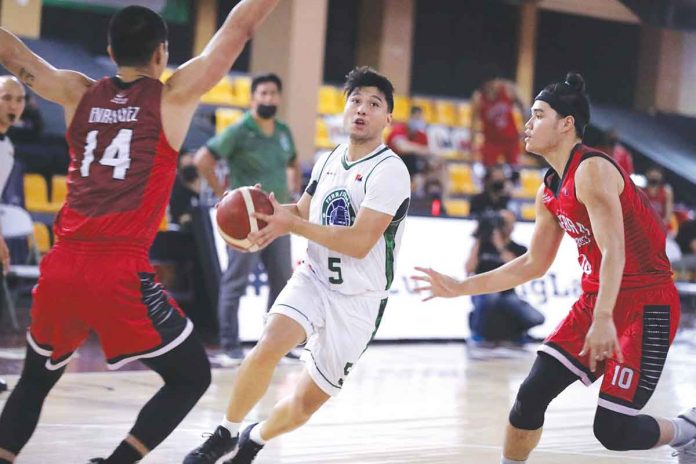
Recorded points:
(644,234)
(122,167)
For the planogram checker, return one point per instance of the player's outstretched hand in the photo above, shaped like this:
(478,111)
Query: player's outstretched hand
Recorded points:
(601,342)
(438,284)
(277,224)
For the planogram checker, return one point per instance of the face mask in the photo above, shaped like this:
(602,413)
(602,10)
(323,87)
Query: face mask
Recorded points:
(653,182)
(266,111)
(498,186)
(416,125)
(188,173)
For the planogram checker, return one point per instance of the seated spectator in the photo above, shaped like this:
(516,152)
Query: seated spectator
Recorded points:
(495,195)
(686,238)
(410,141)
(503,316)
(613,147)
(660,194)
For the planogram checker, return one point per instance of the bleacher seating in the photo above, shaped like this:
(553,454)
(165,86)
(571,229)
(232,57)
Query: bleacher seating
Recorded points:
(457,207)
(402,108)
(42,238)
(36,195)
(226,117)
(530,180)
(461,179)
(59,190)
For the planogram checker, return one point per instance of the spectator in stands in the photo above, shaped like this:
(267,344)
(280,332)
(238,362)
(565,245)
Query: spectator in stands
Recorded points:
(612,146)
(497,115)
(504,316)
(29,127)
(12,101)
(686,238)
(187,187)
(258,149)
(660,194)
(495,195)
(410,141)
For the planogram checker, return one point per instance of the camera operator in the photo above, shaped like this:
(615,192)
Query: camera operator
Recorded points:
(503,316)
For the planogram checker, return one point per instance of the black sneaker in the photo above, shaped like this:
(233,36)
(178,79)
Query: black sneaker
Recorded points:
(96,460)
(248,448)
(218,444)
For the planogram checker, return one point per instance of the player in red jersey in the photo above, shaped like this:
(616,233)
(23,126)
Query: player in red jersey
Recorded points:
(493,109)
(625,320)
(124,133)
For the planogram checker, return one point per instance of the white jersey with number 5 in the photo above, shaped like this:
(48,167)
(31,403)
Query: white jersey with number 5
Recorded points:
(339,188)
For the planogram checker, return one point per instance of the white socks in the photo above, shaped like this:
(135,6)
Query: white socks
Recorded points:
(232,427)
(255,435)
(684,431)
(510,461)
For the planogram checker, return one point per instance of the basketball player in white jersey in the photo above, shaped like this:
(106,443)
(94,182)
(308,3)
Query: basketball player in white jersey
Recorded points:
(352,214)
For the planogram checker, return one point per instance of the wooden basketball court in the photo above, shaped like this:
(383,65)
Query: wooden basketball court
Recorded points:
(426,404)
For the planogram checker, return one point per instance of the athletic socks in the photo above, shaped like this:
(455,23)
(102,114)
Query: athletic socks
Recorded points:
(255,435)
(510,461)
(232,427)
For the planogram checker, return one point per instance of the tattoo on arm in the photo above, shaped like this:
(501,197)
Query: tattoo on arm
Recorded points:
(26,77)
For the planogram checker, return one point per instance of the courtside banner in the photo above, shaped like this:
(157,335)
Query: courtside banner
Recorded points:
(444,245)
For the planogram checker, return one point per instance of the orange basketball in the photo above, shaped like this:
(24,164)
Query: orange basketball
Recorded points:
(233,216)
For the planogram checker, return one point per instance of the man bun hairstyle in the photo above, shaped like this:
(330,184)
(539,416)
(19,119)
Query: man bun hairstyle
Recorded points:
(364,76)
(135,32)
(569,98)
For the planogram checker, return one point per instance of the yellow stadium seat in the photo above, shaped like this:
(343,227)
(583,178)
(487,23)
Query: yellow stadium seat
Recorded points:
(241,92)
(465,115)
(59,190)
(402,108)
(225,117)
(164,223)
(445,113)
(530,180)
(321,135)
(427,106)
(457,207)
(42,238)
(330,100)
(528,212)
(221,94)
(461,179)
(36,194)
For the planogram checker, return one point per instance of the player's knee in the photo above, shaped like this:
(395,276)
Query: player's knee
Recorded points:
(530,405)
(266,353)
(303,408)
(609,429)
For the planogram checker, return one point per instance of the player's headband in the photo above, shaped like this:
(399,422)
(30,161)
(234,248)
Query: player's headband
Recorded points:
(556,103)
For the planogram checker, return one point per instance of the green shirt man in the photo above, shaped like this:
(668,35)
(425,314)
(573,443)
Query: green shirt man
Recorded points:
(254,156)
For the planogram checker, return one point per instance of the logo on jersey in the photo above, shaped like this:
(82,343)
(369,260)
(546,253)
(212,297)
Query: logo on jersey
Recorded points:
(546,198)
(358,177)
(581,234)
(337,210)
(120,99)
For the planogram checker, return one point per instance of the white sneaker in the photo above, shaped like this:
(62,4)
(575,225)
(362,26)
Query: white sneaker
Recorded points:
(225,360)
(687,452)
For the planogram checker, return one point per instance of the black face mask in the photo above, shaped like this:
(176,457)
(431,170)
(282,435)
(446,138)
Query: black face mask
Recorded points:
(188,173)
(498,186)
(654,182)
(266,111)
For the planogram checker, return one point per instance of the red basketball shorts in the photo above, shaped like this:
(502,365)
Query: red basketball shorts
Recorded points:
(111,291)
(507,151)
(646,322)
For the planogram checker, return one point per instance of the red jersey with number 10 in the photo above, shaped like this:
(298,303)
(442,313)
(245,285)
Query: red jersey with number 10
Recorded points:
(122,167)
(644,234)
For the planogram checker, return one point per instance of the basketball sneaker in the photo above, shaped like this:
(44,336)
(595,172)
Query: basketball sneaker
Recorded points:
(96,461)
(687,452)
(218,444)
(248,448)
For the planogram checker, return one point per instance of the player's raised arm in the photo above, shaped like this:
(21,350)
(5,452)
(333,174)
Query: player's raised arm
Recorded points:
(200,74)
(534,263)
(60,86)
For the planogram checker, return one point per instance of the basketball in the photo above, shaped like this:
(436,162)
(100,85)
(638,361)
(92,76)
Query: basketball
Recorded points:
(234,219)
